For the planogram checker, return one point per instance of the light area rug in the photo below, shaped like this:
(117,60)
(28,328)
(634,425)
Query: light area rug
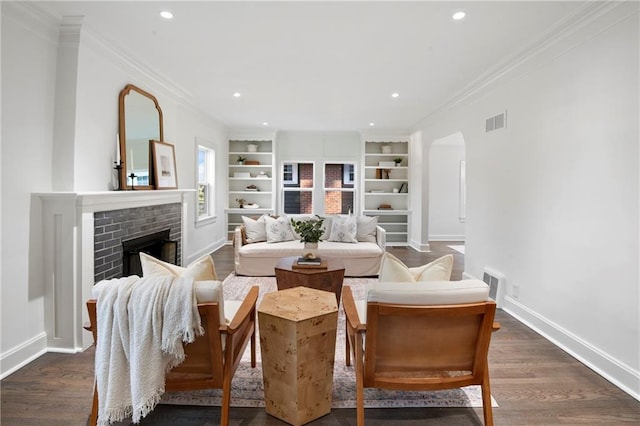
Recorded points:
(247,390)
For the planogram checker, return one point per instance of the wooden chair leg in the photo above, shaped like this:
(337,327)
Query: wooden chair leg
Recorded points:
(359,358)
(253,347)
(487,410)
(226,401)
(347,348)
(93,418)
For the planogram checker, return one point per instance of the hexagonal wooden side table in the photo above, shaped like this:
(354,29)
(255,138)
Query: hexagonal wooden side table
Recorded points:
(328,279)
(297,343)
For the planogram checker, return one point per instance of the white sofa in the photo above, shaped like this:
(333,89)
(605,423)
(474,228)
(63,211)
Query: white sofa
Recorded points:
(259,259)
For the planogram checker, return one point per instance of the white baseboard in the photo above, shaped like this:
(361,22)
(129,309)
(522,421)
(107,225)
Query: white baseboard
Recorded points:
(447,237)
(613,370)
(21,355)
(420,247)
(207,250)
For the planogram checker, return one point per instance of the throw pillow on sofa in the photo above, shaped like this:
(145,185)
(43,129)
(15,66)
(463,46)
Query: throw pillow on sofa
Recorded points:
(393,270)
(255,229)
(344,229)
(279,229)
(366,232)
(201,269)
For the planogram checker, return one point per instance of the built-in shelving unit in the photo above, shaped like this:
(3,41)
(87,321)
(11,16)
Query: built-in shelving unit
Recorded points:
(251,180)
(386,183)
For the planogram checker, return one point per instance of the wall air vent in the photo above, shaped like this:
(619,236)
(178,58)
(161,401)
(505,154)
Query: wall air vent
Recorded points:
(496,122)
(495,281)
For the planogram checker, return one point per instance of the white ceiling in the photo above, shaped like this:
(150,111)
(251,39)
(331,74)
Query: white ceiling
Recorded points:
(321,65)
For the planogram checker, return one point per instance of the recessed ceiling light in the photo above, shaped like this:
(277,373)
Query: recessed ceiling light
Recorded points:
(372,124)
(395,94)
(237,95)
(265,123)
(166,14)
(459,15)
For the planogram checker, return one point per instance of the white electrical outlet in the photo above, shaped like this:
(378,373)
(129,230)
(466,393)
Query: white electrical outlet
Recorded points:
(516,291)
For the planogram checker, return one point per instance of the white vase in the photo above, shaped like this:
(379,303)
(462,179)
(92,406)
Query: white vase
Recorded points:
(252,147)
(310,250)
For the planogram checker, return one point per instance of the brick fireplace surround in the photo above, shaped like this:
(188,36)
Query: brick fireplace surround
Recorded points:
(82,235)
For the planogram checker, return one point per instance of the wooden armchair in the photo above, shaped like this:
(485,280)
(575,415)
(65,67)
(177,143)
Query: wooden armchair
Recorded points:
(419,347)
(212,359)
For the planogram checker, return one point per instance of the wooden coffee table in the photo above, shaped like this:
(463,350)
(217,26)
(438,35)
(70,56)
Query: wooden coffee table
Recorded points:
(329,279)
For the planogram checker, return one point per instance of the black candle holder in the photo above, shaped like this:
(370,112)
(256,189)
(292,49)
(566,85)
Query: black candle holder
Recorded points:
(132,176)
(117,166)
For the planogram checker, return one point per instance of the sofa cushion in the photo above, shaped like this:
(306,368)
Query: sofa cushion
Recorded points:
(201,269)
(279,229)
(325,249)
(393,269)
(344,229)
(255,229)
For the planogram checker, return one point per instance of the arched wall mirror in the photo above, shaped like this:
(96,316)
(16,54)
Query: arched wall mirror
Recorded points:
(140,122)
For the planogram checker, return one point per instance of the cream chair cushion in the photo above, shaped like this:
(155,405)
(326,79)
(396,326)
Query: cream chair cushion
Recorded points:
(393,269)
(424,294)
(201,269)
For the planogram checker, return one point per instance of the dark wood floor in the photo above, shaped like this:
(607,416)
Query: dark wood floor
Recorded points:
(534,382)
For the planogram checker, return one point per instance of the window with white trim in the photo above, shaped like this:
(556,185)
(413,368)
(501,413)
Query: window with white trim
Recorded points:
(339,188)
(297,188)
(206,183)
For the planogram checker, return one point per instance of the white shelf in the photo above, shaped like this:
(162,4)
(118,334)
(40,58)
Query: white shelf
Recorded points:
(396,221)
(265,196)
(248,211)
(251,192)
(244,153)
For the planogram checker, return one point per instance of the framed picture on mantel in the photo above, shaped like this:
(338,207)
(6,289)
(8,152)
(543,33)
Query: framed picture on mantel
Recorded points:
(164,165)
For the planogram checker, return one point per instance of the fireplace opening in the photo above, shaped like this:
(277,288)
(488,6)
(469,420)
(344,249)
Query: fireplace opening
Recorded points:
(157,245)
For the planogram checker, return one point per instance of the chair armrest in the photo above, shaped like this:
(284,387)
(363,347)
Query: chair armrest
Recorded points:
(246,310)
(381,237)
(350,310)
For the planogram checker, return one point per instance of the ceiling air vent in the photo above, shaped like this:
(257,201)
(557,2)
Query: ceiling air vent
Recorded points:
(496,122)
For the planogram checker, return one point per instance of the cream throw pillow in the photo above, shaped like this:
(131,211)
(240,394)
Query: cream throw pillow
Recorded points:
(279,229)
(201,269)
(344,229)
(367,229)
(393,270)
(255,229)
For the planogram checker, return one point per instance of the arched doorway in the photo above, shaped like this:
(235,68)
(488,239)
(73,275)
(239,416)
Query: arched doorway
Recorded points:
(447,189)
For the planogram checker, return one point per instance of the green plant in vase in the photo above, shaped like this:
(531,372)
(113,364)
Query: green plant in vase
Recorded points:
(397,160)
(310,232)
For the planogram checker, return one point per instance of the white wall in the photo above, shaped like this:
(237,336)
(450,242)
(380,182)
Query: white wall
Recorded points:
(552,200)
(29,50)
(444,189)
(30,60)
(193,130)
(318,148)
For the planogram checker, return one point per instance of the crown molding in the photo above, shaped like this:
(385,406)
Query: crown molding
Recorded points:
(34,19)
(556,37)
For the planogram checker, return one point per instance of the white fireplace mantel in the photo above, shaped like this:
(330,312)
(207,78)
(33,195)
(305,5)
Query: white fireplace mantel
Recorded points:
(68,254)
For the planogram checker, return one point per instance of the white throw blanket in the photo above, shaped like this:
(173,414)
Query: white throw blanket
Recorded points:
(142,323)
